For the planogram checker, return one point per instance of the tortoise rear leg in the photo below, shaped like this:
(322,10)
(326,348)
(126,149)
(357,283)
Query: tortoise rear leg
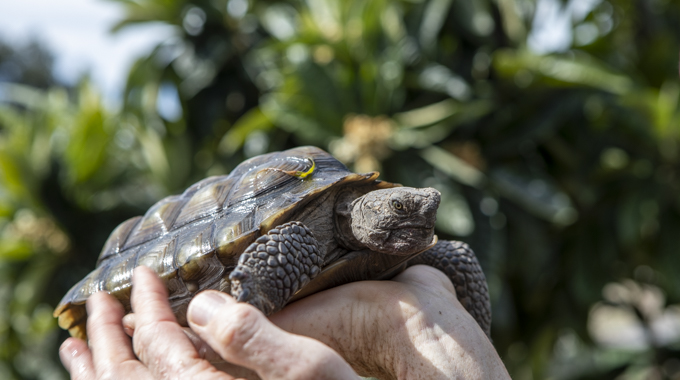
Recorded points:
(276,266)
(460,265)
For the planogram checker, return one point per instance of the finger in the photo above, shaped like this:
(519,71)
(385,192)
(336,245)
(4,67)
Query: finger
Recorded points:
(77,359)
(159,340)
(203,349)
(423,276)
(129,324)
(109,345)
(242,335)
(206,352)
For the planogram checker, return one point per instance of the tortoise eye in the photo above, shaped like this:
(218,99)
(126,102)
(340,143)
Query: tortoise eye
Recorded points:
(397,205)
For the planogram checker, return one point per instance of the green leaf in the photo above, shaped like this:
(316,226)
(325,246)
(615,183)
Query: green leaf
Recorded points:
(431,124)
(253,120)
(453,166)
(88,141)
(11,178)
(579,70)
(14,250)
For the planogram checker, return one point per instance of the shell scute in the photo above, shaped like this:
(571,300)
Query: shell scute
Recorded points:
(160,258)
(268,176)
(233,228)
(118,275)
(79,293)
(207,200)
(191,249)
(114,244)
(156,222)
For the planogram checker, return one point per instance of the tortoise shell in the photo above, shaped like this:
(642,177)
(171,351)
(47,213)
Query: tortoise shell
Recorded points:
(194,240)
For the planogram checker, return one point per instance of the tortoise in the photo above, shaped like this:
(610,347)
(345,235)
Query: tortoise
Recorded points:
(279,227)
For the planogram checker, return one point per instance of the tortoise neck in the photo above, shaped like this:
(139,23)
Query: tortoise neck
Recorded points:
(343,220)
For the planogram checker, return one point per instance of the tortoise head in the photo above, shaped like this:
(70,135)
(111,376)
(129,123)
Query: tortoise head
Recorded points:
(396,221)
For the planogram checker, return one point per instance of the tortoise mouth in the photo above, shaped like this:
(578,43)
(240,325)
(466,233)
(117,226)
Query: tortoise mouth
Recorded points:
(414,226)
(407,241)
(434,241)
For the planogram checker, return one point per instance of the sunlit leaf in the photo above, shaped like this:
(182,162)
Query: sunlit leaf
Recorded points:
(251,122)
(11,177)
(88,141)
(577,70)
(431,124)
(14,250)
(454,167)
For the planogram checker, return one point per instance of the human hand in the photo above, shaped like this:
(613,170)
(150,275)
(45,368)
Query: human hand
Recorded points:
(160,349)
(411,327)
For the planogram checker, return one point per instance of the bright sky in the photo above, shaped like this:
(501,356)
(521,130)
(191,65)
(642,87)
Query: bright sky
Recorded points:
(77,33)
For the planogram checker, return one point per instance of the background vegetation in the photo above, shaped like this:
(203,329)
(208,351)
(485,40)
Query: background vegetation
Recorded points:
(561,169)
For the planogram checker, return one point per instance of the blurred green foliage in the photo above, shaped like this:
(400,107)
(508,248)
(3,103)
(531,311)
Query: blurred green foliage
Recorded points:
(561,169)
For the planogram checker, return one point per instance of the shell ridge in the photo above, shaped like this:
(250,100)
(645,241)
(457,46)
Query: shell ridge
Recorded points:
(157,221)
(263,191)
(282,157)
(202,203)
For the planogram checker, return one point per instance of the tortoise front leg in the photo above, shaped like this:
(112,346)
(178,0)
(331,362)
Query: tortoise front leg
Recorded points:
(460,265)
(276,266)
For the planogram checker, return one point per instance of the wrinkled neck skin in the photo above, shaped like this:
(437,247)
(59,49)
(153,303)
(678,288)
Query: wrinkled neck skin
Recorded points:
(343,220)
(398,221)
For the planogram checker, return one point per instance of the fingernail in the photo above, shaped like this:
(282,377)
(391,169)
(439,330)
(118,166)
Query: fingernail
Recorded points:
(203,306)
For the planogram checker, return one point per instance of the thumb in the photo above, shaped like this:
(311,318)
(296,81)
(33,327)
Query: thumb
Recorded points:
(242,335)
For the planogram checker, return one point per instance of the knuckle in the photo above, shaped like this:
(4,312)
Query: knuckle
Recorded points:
(426,276)
(144,338)
(240,328)
(200,369)
(438,274)
(108,372)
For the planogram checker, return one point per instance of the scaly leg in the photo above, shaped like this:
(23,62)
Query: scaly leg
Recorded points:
(276,266)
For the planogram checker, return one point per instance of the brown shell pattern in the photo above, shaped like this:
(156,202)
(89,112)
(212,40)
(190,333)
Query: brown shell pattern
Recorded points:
(180,234)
